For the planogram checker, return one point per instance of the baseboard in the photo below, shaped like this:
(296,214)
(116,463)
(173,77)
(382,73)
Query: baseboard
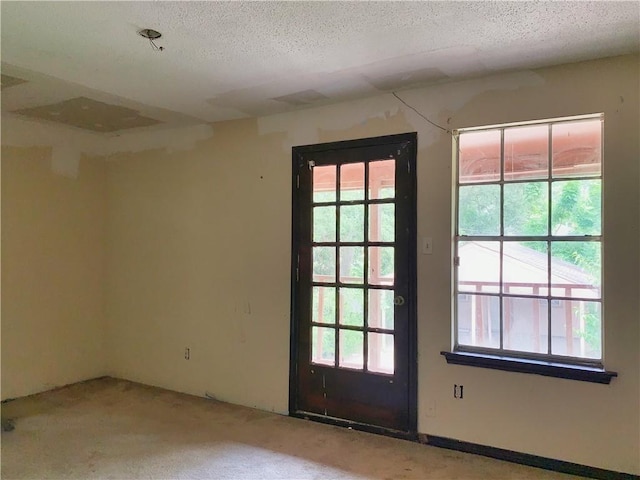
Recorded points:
(527,459)
(363,427)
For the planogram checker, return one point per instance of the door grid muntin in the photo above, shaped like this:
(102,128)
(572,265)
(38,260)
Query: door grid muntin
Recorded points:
(340,282)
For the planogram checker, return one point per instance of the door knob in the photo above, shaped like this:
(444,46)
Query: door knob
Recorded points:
(398,300)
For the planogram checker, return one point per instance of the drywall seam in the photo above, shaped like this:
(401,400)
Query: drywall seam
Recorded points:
(174,139)
(67,144)
(18,132)
(70,143)
(303,128)
(65,161)
(300,127)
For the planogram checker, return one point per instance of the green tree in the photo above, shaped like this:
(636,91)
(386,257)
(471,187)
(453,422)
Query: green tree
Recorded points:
(575,211)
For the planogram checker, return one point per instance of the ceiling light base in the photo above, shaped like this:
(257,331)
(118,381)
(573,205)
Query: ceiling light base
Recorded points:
(149,33)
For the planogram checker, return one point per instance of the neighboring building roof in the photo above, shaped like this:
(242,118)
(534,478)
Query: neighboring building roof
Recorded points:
(480,261)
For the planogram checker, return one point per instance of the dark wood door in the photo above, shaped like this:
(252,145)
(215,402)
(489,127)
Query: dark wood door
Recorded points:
(353,344)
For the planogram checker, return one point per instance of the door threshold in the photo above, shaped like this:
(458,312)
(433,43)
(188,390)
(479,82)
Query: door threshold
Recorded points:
(363,427)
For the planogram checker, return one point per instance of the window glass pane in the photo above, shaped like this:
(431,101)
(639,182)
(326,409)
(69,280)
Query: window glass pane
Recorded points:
(576,329)
(382,179)
(479,210)
(535,296)
(526,208)
(324,224)
(525,268)
(577,148)
(324,184)
(479,269)
(576,207)
(479,156)
(526,152)
(576,269)
(324,264)
(382,222)
(380,353)
(351,349)
(381,265)
(478,320)
(324,305)
(381,309)
(323,345)
(352,223)
(352,264)
(352,181)
(525,324)
(352,306)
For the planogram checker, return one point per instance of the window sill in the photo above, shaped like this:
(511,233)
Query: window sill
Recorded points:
(548,369)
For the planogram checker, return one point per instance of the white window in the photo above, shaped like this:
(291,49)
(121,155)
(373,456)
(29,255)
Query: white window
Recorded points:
(528,240)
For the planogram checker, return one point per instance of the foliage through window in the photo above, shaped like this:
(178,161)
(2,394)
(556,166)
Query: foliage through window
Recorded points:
(528,240)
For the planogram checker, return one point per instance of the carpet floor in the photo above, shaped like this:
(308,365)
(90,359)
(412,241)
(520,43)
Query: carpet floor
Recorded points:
(115,429)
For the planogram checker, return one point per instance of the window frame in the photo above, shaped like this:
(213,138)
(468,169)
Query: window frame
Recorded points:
(504,359)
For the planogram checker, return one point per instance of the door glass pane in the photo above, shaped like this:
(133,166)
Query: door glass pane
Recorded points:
(381,309)
(525,324)
(479,156)
(381,265)
(382,179)
(352,181)
(351,349)
(526,208)
(324,264)
(324,184)
(526,152)
(525,268)
(576,269)
(577,148)
(479,210)
(382,222)
(324,224)
(478,320)
(381,358)
(576,207)
(352,264)
(324,305)
(352,306)
(323,345)
(576,328)
(479,269)
(352,223)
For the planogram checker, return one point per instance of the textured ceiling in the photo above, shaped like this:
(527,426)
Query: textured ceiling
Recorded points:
(225,60)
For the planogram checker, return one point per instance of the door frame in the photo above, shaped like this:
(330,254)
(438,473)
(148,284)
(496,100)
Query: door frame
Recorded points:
(412,310)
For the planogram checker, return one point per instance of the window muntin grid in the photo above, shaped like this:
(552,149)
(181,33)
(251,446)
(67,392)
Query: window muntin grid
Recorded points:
(510,171)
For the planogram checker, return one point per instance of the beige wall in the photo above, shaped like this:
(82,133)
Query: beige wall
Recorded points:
(197,254)
(52,269)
